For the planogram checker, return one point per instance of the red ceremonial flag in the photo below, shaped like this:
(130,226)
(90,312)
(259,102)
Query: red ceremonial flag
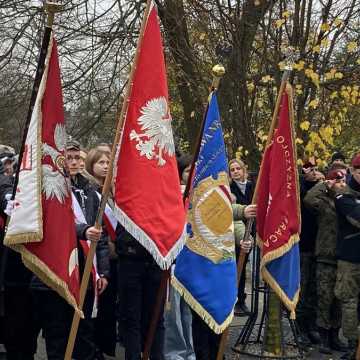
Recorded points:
(42,226)
(148,200)
(278,214)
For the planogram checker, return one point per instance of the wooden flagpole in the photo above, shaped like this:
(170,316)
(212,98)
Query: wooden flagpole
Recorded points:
(106,189)
(217,71)
(250,222)
(51,8)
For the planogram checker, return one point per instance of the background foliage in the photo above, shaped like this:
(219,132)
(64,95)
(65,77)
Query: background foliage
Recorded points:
(97,39)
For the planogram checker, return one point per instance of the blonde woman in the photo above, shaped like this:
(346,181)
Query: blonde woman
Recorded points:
(97,165)
(243,190)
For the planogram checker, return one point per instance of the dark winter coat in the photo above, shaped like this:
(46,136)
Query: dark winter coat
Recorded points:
(242,199)
(320,201)
(348,210)
(89,201)
(309,225)
(128,247)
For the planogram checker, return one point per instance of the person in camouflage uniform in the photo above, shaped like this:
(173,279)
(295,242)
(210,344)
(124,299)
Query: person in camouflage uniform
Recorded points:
(320,200)
(347,287)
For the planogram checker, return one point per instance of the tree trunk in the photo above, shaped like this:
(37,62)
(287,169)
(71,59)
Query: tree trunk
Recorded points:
(188,78)
(234,95)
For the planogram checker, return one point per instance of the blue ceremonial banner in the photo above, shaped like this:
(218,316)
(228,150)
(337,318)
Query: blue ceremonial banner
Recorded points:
(205,271)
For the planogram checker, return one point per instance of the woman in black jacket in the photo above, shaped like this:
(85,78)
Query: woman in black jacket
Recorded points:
(243,190)
(97,165)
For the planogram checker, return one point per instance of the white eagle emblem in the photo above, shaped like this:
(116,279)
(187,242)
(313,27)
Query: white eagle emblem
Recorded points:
(54,182)
(157,136)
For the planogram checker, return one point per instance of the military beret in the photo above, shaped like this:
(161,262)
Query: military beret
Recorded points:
(335,175)
(355,163)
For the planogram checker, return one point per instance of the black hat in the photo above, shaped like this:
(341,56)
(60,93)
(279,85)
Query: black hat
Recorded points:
(7,156)
(72,145)
(337,156)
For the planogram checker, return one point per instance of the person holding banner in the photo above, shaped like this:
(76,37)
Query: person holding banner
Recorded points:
(53,313)
(243,190)
(97,166)
(89,202)
(138,282)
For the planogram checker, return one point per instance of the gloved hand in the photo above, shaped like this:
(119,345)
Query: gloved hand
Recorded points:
(10,205)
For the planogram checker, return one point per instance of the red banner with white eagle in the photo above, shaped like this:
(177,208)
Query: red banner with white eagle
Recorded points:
(42,225)
(148,201)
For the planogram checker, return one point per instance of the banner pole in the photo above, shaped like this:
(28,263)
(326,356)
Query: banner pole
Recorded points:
(51,9)
(105,190)
(218,71)
(250,222)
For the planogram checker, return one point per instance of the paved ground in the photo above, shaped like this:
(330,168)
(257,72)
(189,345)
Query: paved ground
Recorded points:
(230,355)
(313,354)
(235,329)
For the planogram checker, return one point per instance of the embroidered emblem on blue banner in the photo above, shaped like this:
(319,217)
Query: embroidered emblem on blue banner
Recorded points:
(205,271)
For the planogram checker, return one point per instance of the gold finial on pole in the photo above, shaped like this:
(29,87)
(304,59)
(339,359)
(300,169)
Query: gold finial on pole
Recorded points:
(218,72)
(51,8)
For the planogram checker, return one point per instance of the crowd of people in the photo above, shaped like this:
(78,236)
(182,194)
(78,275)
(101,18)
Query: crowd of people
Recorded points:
(128,282)
(129,278)
(330,255)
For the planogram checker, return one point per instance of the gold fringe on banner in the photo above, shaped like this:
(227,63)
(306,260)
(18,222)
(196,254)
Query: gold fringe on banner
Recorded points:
(290,304)
(43,272)
(144,239)
(198,308)
(22,238)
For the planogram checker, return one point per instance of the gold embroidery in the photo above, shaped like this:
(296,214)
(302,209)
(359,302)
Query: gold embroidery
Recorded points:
(211,220)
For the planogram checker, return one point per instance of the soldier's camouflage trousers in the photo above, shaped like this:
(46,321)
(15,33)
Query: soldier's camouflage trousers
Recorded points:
(347,290)
(306,309)
(329,307)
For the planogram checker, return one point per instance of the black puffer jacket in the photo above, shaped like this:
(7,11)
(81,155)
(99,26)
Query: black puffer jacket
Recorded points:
(309,222)
(242,199)
(89,202)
